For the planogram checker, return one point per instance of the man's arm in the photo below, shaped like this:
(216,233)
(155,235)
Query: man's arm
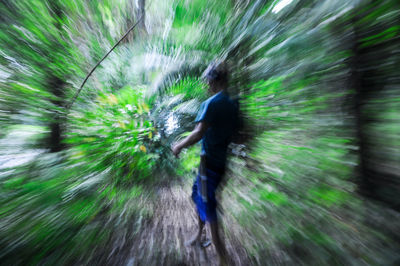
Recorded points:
(193,138)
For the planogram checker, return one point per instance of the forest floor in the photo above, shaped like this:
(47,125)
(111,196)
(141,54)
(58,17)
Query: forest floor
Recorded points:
(162,240)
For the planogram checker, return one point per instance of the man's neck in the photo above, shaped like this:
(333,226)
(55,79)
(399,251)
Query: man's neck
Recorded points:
(218,91)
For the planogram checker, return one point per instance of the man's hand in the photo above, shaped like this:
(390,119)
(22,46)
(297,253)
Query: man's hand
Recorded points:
(176,149)
(194,137)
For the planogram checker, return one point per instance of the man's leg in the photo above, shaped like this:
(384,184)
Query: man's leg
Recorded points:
(197,237)
(219,245)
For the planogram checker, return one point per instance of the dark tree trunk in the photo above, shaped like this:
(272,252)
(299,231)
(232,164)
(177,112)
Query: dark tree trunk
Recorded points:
(56,87)
(56,122)
(361,94)
(372,67)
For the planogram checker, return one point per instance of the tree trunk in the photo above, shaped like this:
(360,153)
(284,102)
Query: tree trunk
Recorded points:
(141,14)
(56,122)
(56,87)
(372,77)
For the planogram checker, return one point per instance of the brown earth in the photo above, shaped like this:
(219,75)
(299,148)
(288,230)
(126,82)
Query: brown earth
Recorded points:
(162,240)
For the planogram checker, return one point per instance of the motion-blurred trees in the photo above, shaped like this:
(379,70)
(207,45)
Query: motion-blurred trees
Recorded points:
(317,82)
(39,51)
(375,67)
(56,85)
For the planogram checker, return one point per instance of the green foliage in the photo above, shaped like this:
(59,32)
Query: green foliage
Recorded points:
(116,134)
(190,88)
(291,190)
(190,162)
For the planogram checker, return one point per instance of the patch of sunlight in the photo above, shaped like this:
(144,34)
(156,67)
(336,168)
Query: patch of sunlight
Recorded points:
(9,161)
(171,124)
(281,4)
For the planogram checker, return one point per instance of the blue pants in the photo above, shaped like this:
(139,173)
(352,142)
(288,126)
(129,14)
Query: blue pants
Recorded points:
(206,206)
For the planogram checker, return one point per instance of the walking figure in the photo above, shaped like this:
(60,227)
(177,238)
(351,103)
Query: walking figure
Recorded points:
(216,123)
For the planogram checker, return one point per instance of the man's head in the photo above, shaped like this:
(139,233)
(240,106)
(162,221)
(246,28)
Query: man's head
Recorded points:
(216,76)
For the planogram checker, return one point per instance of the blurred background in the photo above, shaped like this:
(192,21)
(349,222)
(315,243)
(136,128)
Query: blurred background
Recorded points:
(314,181)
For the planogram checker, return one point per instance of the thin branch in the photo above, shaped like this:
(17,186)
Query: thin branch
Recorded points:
(98,63)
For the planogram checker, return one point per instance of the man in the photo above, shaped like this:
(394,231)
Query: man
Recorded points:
(216,124)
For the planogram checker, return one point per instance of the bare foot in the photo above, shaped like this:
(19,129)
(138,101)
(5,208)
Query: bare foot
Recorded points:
(205,243)
(195,241)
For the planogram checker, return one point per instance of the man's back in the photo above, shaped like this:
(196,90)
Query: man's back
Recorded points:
(220,113)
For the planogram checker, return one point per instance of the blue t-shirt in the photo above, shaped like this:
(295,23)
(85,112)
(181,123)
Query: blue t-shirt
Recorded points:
(221,114)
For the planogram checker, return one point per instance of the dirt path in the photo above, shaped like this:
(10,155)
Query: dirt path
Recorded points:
(161,242)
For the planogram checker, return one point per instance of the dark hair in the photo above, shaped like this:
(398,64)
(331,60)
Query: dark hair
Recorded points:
(217,72)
